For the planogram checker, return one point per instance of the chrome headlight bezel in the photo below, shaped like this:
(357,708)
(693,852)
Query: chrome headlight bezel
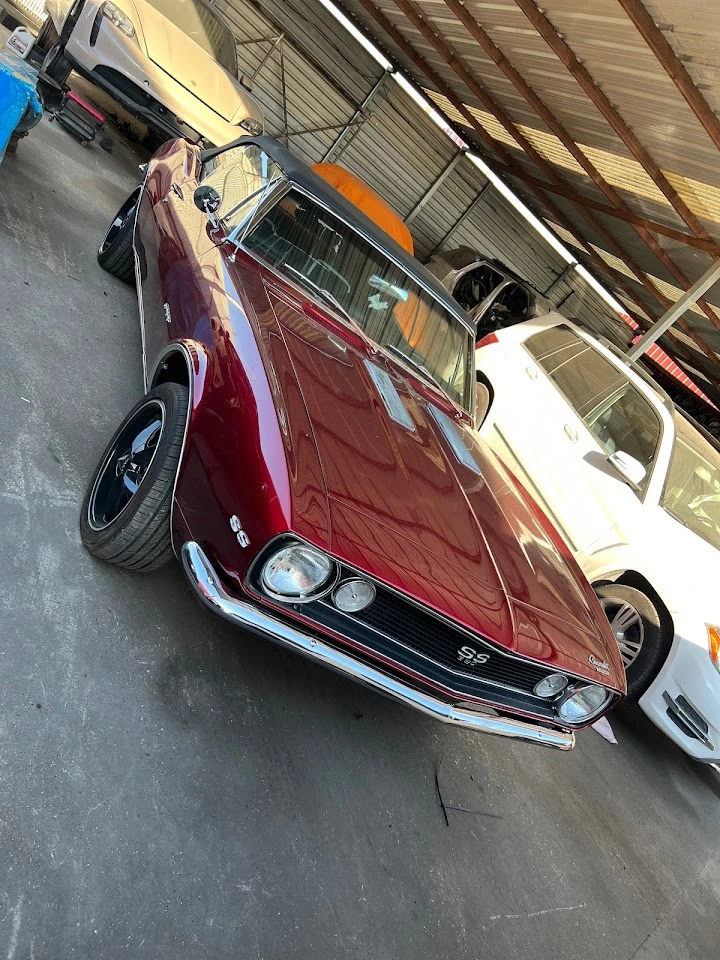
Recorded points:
(315,591)
(576,690)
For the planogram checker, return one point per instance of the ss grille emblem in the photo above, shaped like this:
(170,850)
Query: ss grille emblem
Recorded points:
(471,658)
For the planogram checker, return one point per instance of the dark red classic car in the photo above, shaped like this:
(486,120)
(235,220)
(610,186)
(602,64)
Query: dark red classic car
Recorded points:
(306,447)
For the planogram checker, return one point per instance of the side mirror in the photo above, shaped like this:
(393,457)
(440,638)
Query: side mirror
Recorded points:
(207,199)
(630,469)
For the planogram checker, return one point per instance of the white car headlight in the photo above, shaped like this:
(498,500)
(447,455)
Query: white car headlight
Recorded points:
(253,127)
(714,645)
(583,703)
(116,16)
(298,573)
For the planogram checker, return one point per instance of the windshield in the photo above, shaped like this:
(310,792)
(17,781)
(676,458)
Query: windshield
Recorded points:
(692,487)
(202,26)
(330,259)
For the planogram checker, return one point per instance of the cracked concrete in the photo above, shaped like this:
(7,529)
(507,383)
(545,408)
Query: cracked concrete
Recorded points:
(171,788)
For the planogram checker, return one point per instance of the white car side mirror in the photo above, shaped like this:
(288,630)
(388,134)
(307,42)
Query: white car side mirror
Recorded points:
(628,467)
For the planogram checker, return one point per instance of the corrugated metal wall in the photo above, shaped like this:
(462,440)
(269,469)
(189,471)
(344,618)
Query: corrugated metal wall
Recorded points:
(397,149)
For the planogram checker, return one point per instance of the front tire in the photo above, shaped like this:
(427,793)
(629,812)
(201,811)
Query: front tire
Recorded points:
(642,636)
(125,517)
(116,250)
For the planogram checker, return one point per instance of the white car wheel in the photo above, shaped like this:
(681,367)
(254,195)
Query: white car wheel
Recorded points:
(643,640)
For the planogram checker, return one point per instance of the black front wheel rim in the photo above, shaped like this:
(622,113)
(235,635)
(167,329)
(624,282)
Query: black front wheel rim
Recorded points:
(124,214)
(126,465)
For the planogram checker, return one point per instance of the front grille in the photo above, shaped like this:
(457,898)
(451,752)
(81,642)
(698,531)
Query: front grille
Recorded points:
(439,641)
(410,636)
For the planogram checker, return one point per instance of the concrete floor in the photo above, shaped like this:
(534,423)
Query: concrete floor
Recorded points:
(170,788)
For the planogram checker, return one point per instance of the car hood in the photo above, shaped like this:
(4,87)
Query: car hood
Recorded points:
(416,501)
(187,63)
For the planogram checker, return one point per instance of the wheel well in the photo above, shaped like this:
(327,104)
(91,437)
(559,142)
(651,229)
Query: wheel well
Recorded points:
(173,369)
(631,578)
(481,378)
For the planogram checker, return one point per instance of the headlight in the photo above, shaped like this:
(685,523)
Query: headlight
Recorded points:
(118,18)
(583,703)
(298,573)
(354,595)
(253,127)
(714,645)
(551,686)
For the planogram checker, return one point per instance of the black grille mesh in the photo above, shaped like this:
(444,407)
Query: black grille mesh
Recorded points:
(438,641)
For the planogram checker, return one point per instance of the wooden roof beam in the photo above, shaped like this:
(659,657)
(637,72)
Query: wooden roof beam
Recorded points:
(566,56)
(673,67)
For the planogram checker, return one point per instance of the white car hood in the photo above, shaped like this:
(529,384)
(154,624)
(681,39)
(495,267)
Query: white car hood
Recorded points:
(179,56)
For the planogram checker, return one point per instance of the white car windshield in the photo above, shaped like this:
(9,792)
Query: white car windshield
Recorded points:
(198,21)
(692,487)
(323,254)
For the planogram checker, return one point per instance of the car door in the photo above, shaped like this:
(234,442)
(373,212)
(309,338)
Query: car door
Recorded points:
(557,455)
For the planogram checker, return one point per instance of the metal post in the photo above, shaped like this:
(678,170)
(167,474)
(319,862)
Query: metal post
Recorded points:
(461,219)
(334,152)
(686,301)
(276,41)
(434,187)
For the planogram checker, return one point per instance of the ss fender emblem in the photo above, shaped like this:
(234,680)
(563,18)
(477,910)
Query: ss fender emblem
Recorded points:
(242,538)
(470,656)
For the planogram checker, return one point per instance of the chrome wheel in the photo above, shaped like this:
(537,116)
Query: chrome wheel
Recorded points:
(124,214)
(123,469)
(627,625)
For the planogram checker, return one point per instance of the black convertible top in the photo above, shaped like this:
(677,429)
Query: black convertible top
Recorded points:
(300,173)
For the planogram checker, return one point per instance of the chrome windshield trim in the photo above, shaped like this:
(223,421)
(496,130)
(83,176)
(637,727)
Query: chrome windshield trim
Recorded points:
(208,588)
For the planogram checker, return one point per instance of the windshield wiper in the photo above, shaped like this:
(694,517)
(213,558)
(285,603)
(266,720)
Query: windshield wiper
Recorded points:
(328,298)
(414,363)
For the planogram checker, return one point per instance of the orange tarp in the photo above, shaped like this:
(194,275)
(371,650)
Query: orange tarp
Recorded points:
(365,199)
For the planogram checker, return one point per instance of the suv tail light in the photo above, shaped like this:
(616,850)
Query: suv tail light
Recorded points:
(487,340)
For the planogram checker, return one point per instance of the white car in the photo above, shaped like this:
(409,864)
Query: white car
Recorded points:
(171,63)
(634,488)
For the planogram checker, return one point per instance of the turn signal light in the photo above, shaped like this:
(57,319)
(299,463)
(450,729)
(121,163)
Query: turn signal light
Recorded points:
(714,644)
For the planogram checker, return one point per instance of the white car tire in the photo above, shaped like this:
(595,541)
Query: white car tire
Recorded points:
(642,637)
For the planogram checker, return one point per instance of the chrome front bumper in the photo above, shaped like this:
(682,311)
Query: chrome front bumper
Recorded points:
(205,581)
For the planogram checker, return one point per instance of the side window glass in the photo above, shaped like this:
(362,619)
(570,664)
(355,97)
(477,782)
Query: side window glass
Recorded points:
(579,372)
(626,421)
(239,175)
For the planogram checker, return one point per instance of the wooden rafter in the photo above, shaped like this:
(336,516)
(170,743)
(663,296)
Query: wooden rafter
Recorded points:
(545,114)
(670,63)
(566,56)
